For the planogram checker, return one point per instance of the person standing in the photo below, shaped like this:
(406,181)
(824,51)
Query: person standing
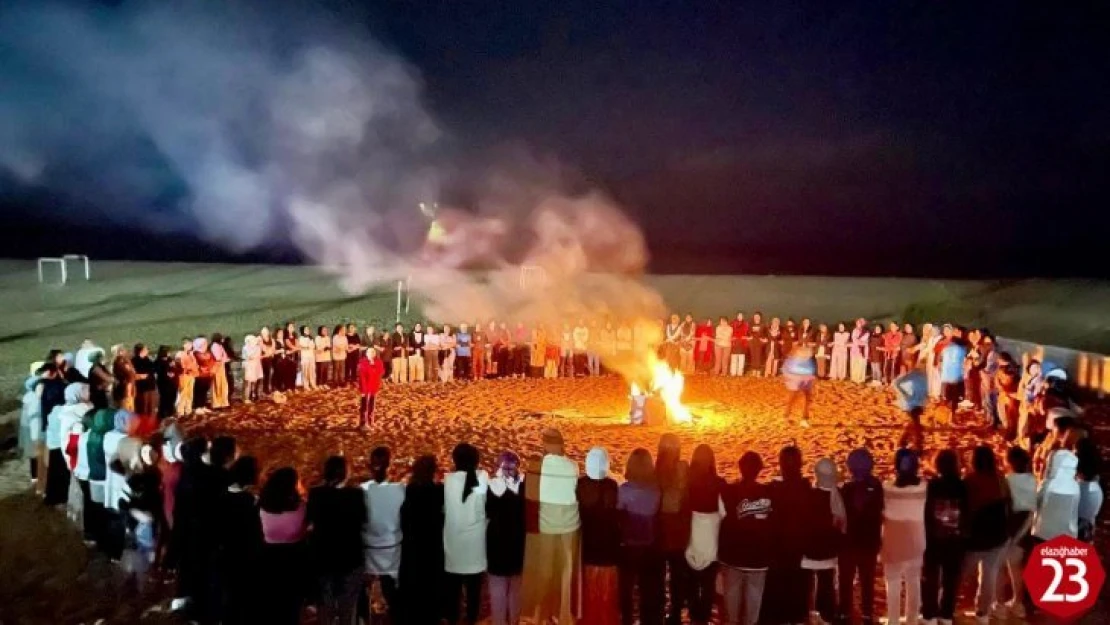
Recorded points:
(336,515)
(740,346)
(252,368)
(398,355)
(840,342)
(704,494)
(415,359)
(822,340)
(671,475)
(221,380)
(952,374)
(370,372)
(464,532)
(759,345)
(988,511)
(686,342)
(463,344)
(1023,494)
(828,522)
(903,537)
(165,379)
(601,538)
(146,383)
(877,354)
(703,346)
(479,359)
(607,345)
(581,338)
(858,558)
(505,539)
(283,561)
(306,346)
(551,584)
(640,569)
(538,351)
(945,514)
(566,352)
(381,536)
(339,356)
(551,357)
(354,352)
(422,577)
(791,497)
(774,353)
(240,543)
(892,352)
(746,542)
(800,373)
(447,343)
(432,344)
(722,347)
(857,359)
(322,355)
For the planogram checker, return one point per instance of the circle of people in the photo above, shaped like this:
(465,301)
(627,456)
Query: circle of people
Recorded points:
(548,543)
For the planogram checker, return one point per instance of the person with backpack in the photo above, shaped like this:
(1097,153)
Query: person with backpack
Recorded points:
(674,522)
(988,510)
(744,544)
(903,537)
(791,495)
(859,555)
(945,509)
(828,520)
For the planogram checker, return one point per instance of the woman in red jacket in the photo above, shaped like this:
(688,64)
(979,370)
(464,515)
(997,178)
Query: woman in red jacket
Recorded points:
(370,371)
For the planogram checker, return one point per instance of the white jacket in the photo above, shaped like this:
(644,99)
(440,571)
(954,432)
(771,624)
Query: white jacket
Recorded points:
(464,526)
(1058,499)
(381,536)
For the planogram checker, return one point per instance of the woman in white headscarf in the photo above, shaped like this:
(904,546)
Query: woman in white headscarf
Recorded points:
(252,368)
(59,423)
(601,536)
(830,522)
(551,584)
(1058,499)
(30,421)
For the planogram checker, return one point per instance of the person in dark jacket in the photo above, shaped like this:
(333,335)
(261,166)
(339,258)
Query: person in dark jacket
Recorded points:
(336,514)
(597,495)
(945,510)
(240,543)
(863,506)
(827,522)
(638,500)
(505,539)
(988,511)
(421,577)
(745,542)
(165,381)
(674,522)
(791,497)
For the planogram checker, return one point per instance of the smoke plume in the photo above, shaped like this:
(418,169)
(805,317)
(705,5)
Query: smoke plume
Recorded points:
(252,125)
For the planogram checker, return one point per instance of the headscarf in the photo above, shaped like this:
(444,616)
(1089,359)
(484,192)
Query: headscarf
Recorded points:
(77,393)
(68,358)
(508,476)
(103,421)
(906,466)
(84,359)
(828,478)
(35,366)
(860,464)
(597,463)
(173,437)
(122,420)
(200,344)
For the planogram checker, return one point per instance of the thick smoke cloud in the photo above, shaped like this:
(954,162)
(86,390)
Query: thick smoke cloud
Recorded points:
(275,125)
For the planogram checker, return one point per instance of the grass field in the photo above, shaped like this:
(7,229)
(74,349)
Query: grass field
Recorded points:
(161,302)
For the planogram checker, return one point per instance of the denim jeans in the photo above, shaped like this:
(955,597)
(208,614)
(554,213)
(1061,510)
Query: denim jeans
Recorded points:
(504,599)
(743,594)
(339,595)
(988,563)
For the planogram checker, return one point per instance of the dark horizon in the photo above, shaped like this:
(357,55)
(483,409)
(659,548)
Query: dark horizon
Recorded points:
(854,138)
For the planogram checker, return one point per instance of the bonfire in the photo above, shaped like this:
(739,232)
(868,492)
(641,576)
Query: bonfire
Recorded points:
(660,399)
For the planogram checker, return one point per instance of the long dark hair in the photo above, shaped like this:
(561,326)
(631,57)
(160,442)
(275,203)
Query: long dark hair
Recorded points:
(380,458)
(705,484)
(466,458)
(424,471)
(667,460)
(984,461)
(280,493)
(638,469)
(790,463)
(335,470)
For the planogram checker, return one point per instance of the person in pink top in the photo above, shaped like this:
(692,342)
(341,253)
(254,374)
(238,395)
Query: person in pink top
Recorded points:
(221,391)
(284,561)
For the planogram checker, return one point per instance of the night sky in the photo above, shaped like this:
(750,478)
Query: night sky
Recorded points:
(949,139)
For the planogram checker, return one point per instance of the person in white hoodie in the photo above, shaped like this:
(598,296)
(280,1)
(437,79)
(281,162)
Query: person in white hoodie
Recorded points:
(903,537)
(464,532)
(381,536)
(704,488)
(59,423)
(1058,499)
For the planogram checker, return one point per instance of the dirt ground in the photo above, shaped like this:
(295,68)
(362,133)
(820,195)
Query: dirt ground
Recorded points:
(46,576)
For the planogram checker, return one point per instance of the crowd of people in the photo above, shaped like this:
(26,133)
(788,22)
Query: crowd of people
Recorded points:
(540,538)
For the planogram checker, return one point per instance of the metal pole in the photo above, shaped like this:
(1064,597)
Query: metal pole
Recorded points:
(400,285)
(40,271)
(408,293)
(86,268)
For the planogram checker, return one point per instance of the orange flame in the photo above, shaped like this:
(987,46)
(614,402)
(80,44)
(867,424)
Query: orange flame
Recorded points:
(667,384)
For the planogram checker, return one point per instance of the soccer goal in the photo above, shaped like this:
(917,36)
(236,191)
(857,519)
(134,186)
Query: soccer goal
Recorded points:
(532,277)
(59,266)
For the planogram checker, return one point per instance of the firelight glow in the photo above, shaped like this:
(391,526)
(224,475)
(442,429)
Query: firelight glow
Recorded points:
(667,384)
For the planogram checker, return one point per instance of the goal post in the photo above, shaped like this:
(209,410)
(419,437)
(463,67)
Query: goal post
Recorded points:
(78,258)
(48,261)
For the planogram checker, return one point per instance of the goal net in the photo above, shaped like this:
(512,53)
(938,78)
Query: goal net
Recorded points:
(55,270)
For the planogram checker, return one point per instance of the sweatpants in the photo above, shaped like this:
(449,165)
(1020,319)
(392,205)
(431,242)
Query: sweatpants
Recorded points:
(743,594)
(721,360)
(736,363)
(897,575)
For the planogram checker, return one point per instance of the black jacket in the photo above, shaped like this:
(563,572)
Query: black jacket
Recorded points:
(336,516)
(505,533)
(747,537)
(863,505)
